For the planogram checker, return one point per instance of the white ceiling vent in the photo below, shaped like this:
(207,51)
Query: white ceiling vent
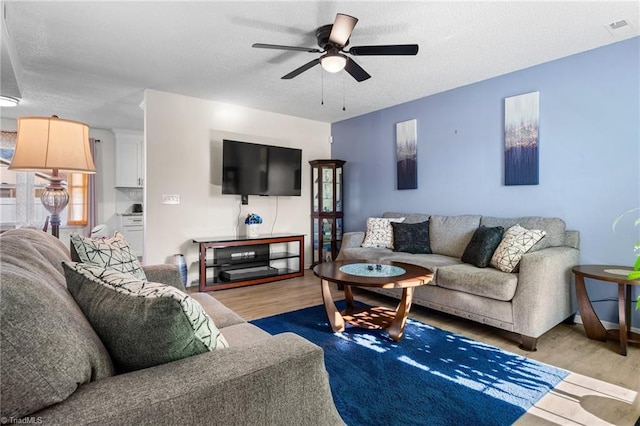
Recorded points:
(618,24)
(621,28)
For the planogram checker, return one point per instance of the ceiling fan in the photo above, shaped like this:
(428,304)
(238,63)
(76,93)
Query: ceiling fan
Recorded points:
(332,39)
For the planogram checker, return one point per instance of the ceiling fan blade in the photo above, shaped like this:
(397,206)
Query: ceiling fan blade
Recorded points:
(302,69)
(279,47)
(341,30)
(356,70)
(391,49)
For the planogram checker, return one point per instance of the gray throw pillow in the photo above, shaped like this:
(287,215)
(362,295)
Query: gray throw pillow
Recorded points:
(114,252)
(141,324)
(411,237)
(482,245)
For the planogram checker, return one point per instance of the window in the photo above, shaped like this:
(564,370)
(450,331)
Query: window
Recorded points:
(77,209)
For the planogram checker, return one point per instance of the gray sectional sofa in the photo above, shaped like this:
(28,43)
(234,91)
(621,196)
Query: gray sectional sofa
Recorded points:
(529,301)
(55,370)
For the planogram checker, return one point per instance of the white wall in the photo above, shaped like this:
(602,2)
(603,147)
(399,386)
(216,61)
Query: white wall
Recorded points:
(183,148)
(105,176)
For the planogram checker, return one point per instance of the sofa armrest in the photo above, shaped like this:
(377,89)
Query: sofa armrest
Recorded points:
(543,297)
(572,239)
(164,274)
(277,380)
(350,240)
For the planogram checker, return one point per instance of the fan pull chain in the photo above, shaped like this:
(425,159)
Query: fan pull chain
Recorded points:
(343,78)
(322,86)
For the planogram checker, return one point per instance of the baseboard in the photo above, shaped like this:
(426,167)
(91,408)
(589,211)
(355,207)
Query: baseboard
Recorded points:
(607,324)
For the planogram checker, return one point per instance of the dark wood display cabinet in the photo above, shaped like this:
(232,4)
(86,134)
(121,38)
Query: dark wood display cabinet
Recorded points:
(326,209)
(235,262)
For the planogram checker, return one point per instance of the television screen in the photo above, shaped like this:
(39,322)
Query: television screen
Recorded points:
(254,169)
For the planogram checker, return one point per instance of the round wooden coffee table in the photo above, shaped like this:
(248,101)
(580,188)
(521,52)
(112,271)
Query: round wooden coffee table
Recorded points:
(371,274)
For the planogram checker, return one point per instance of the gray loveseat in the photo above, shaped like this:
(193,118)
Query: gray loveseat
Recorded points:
(529,301)
(55,370)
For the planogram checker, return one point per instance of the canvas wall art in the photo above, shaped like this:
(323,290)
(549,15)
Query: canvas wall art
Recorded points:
(521,122)
(407,154)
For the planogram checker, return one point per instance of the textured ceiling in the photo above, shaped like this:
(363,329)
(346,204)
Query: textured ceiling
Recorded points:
(91,61)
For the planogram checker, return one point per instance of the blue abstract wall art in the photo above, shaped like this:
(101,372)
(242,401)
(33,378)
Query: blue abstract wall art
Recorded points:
(407,154)
(521,120)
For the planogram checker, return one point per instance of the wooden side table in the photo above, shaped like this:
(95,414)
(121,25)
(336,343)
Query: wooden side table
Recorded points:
(592,325)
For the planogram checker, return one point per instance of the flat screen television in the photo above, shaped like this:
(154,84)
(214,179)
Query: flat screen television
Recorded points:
(255,169)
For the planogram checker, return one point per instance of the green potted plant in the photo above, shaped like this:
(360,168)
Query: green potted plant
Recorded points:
(635,274)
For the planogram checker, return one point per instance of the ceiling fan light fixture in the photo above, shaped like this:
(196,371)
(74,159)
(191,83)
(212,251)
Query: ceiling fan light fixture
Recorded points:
(333,62)
(8,101)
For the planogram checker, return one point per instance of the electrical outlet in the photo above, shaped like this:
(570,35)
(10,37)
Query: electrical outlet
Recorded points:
(170,199)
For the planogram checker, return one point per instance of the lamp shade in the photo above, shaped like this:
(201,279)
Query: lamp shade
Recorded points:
(51,143)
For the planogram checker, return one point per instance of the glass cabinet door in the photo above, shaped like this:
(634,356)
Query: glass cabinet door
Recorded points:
(327,239)
(327,205)
(315,187)
(327,189)
(316,240)
(339,189)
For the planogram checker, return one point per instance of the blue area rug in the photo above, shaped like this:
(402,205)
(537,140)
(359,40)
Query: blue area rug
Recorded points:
(430,377)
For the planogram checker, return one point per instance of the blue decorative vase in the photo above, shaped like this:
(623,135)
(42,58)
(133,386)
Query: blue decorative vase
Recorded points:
(180,262)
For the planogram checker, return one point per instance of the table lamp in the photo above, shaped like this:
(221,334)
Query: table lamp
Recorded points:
(55,146)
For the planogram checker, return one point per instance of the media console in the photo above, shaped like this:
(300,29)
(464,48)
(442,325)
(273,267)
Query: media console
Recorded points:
(240,261)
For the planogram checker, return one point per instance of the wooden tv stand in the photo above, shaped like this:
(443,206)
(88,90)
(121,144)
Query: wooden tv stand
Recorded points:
(241,261)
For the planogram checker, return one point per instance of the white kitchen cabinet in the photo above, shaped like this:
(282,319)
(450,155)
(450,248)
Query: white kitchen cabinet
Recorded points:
(129,160)
(132,228)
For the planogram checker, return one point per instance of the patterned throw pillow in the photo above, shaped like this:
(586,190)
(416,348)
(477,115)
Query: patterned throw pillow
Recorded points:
(113,252)
(483,244)
(515,242)
(379,232)
(141,323)
(411,237)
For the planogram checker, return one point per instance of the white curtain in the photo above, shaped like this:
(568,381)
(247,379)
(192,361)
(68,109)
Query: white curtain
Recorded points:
(92,202)
(17,210)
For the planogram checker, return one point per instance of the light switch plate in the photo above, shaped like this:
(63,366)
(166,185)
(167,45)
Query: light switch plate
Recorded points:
(170,199)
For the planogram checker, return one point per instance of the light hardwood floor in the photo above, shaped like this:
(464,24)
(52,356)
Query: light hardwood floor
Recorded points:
(604,387)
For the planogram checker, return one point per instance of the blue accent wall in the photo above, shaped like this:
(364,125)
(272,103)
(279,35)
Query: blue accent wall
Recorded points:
(589,147)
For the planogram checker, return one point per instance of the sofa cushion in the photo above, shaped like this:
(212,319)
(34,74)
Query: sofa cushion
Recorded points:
(430,261)
(485,282)
(450,235)
(47,346)
(243,334)
(411,237)
(220,314)
(483,243)
(516,242)
(113,252)
(364,253)
(408,217)
(141,324)
(554,227)
(379,232)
